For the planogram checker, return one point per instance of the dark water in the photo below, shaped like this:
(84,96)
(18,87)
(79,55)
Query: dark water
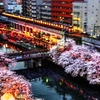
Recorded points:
(49,85)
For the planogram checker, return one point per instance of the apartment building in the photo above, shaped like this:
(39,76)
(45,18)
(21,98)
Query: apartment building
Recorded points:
(13,6)
(86,16)
(62,11)
(46,10)
(29,8)
(50,10)
(1,6)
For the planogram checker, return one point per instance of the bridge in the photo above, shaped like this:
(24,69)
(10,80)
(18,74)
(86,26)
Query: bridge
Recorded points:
(32,54)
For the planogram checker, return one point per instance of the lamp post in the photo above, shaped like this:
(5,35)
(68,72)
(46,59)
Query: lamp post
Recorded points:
(65,35)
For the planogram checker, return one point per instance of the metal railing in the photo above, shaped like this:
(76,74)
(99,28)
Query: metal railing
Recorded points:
(92,41)
(32,56)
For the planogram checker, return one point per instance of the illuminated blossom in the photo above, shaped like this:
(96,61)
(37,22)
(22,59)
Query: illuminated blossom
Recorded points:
(78,60)
(12,85)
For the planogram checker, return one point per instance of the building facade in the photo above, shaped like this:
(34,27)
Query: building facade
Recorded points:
(86,16)
(46,10)
(29,8)
(79,16)
(62,11)
(14,8)
(50,10)
(1,7)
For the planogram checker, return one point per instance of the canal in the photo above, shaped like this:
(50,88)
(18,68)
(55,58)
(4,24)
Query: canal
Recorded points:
(49,82)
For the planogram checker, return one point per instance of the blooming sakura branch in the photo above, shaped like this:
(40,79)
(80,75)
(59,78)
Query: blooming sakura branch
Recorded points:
(12,86)
(77,60)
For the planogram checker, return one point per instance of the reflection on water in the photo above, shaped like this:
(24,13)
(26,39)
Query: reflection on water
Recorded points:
(49,85)
(18,66)
(8,48)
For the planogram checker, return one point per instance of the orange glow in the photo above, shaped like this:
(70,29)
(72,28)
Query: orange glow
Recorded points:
(7,96)
(35,21)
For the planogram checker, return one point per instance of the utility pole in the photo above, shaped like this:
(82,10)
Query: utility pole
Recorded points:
(65,34)
(94,30)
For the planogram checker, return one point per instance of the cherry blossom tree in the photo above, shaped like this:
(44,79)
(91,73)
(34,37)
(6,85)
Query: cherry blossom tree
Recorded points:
(12,86)
(78,60)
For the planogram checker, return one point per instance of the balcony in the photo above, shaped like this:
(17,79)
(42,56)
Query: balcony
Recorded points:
(45,17)
(33,7)
(46,13)
(62,15)
(47,4)
(67,21)
(43,8)
(64,0)
(33,3)
(62,5)
(62,10)
(33,11)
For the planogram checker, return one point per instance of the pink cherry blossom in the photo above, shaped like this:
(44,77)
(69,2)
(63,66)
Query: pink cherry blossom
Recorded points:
(11,83)
(77,60)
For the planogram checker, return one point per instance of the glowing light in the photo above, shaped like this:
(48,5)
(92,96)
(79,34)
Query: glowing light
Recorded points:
(92,18)
(6,45)
(33,20)
(71,13)
(76,18)
(60,83)
(91,30)
(47,80)
(34,30)
(46,6)
(7,96)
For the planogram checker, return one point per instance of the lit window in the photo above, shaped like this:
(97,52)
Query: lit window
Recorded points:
(92,18)
(77,7)
(46,6)
(71,13)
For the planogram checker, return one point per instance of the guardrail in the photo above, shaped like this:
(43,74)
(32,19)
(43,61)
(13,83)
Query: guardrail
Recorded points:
(91,41)
(32,56)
